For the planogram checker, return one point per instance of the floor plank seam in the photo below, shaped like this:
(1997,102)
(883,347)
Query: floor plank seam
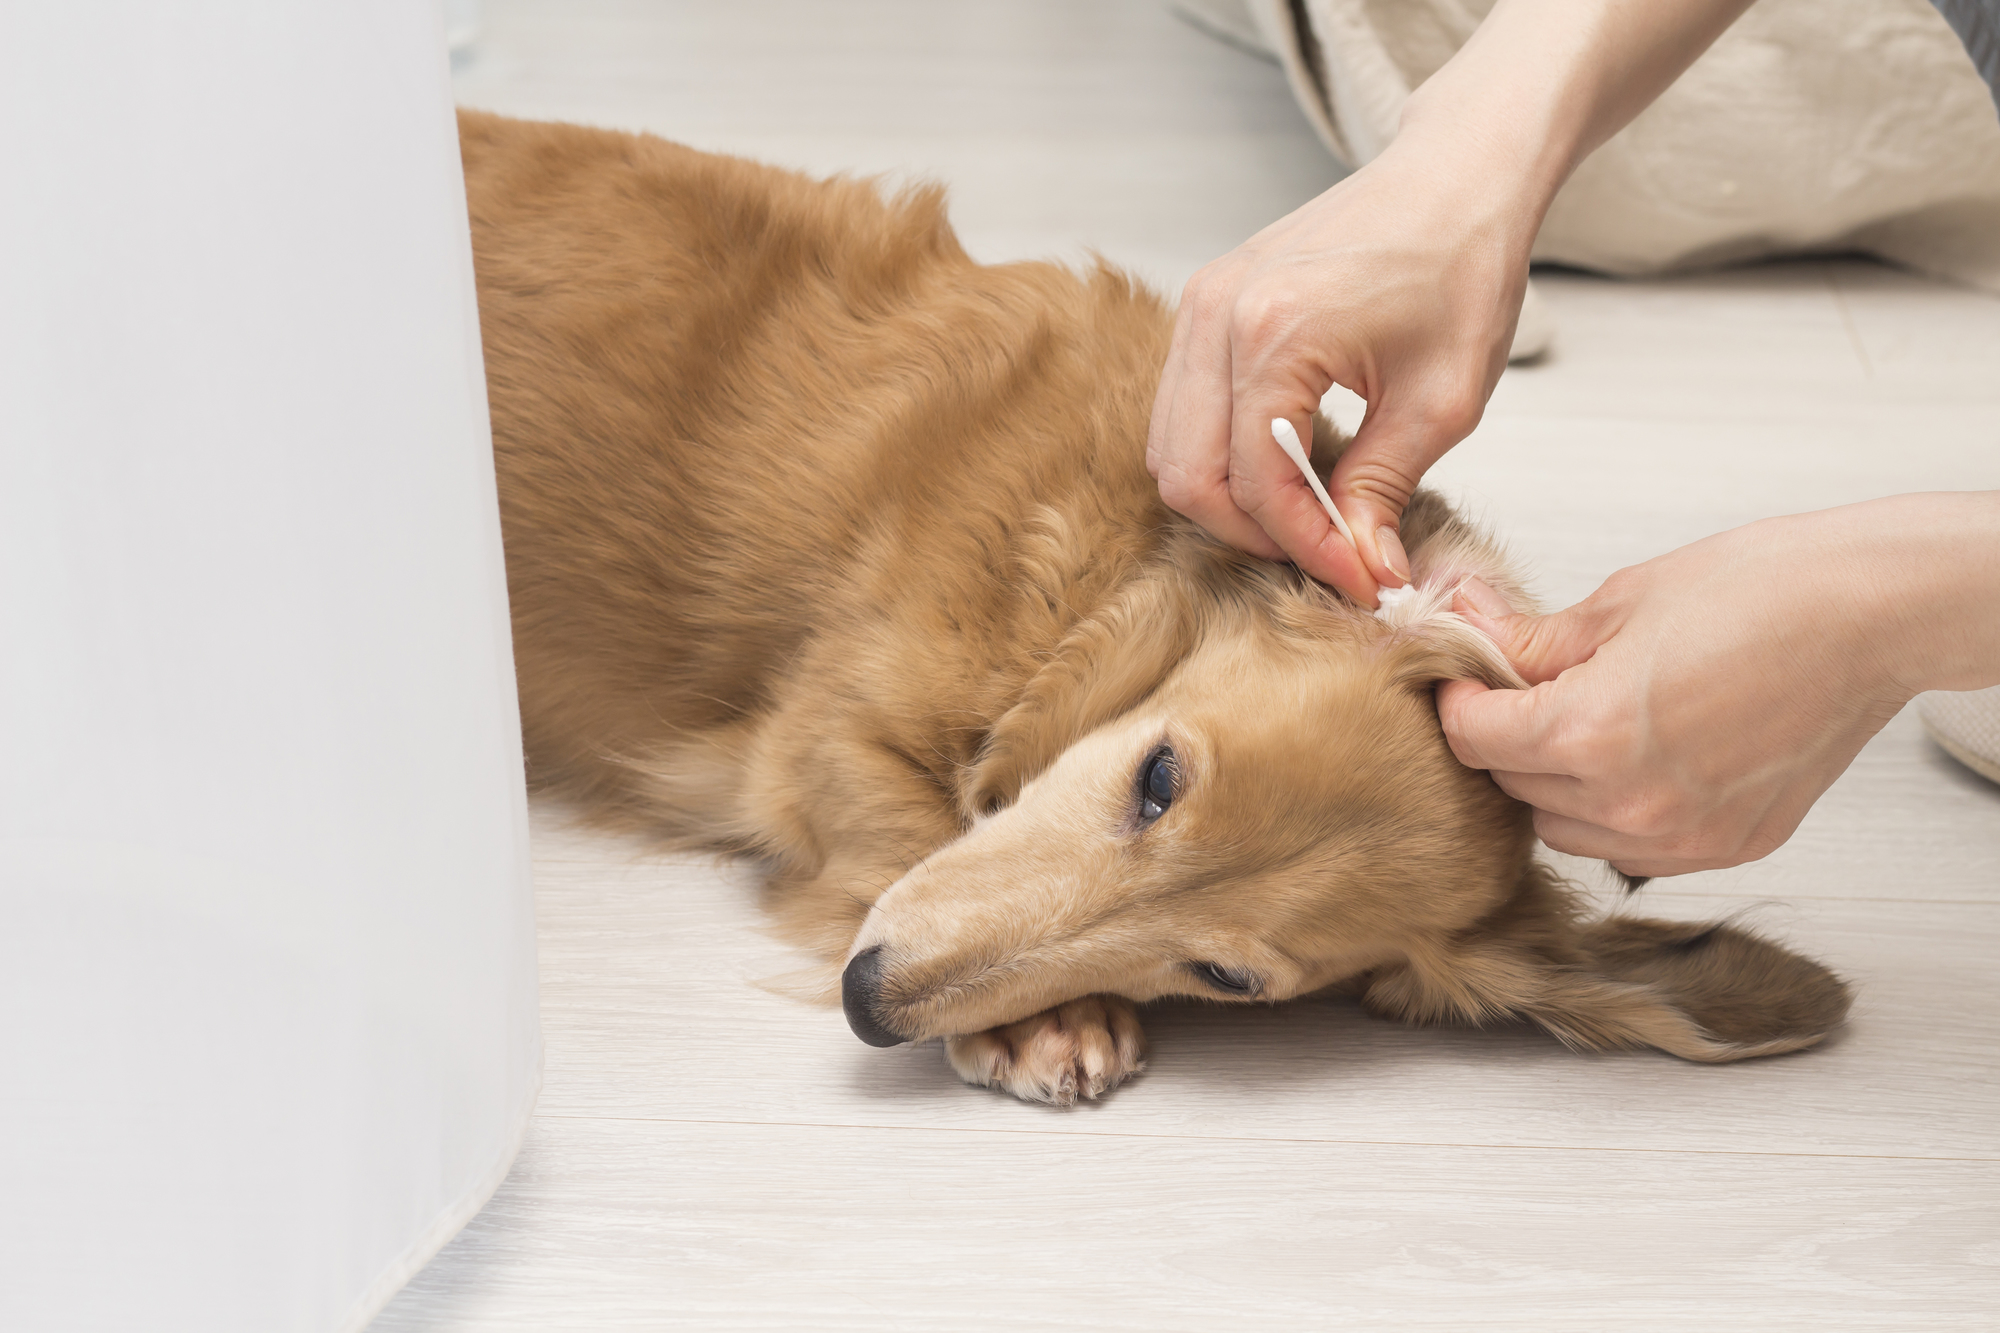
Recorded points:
(1254,1138)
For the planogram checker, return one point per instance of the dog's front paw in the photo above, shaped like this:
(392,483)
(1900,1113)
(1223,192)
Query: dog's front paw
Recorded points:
(1083,1048)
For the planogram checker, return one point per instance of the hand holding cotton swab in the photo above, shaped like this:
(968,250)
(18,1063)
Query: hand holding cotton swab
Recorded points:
(1288,440)
(1388,599)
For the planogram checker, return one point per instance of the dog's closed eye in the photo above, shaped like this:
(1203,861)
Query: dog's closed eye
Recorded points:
(1159,783)
(1232,980)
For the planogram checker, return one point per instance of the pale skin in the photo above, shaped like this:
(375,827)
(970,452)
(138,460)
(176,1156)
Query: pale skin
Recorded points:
(1688,713)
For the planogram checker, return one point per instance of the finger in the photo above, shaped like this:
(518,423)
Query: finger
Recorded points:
(1504,730)
(1580,837)
(1629,854)
(1453,696)
(1540,647)
(1551,793)
(1276,369)
(1267,485)
(1205,498)
(1187,444)
(1372,484)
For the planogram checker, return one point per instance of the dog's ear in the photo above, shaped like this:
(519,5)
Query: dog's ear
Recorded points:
(1428,640)
(1703,991)
(1104,666)
(1429,643)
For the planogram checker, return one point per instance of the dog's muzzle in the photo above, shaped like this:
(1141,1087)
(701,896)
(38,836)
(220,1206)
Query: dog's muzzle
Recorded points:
(860,992)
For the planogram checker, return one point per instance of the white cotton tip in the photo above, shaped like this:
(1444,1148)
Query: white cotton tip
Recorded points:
(1414,604)
(1392,602)
(1425,609)
(1288,440)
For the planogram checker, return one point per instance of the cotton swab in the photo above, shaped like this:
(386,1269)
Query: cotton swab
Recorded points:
(1389,599)
(1288,440)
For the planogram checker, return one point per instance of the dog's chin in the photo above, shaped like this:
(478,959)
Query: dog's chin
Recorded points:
(880,1023)
(899,1025)
(931,1019)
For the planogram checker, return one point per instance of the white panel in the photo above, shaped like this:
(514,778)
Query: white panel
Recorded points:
(267,995)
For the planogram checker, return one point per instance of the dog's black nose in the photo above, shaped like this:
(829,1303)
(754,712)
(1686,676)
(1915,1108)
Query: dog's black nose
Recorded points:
(860,987)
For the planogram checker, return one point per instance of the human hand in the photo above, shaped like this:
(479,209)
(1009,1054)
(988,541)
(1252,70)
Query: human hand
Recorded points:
(1402,283)
(1688,713)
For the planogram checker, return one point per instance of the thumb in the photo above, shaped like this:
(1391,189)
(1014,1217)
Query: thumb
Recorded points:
(1373,481)
(1540,647)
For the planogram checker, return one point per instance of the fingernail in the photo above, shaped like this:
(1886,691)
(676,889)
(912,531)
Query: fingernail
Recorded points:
(1390,547)
(1484,602)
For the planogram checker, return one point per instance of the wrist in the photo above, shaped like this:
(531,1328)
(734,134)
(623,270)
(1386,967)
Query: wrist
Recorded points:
(1928,578)
(1517,105)
(1498,146)
(1484,183)
(1541,83)
(1510,140)
(1957,582)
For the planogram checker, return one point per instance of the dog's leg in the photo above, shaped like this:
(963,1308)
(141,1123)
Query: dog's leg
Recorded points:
(1083,1048)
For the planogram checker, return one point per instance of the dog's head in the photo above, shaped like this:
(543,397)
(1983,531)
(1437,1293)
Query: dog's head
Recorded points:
(1230,785)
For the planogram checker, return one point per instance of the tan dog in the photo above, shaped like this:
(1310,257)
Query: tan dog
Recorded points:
(830,546)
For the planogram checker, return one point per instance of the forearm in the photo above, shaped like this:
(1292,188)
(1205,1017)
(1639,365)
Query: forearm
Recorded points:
(1932,587)
(1542,83)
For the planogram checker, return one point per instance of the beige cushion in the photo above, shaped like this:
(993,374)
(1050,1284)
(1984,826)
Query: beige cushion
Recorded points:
(1812,125)
(1967,725)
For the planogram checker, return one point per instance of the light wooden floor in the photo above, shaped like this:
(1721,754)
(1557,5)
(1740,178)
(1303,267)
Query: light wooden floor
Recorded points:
(711,1156)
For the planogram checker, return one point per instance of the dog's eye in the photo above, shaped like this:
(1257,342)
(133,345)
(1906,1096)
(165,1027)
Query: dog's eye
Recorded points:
(1230,979)
(1156,785)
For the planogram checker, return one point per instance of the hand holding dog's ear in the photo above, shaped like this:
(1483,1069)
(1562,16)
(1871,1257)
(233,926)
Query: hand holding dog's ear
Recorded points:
(1688,713)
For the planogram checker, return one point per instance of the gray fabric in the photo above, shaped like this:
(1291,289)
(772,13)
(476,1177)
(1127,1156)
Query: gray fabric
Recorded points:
(1977,23)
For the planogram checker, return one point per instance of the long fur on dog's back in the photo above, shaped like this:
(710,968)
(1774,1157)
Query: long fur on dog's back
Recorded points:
(827,363)
(827,544)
